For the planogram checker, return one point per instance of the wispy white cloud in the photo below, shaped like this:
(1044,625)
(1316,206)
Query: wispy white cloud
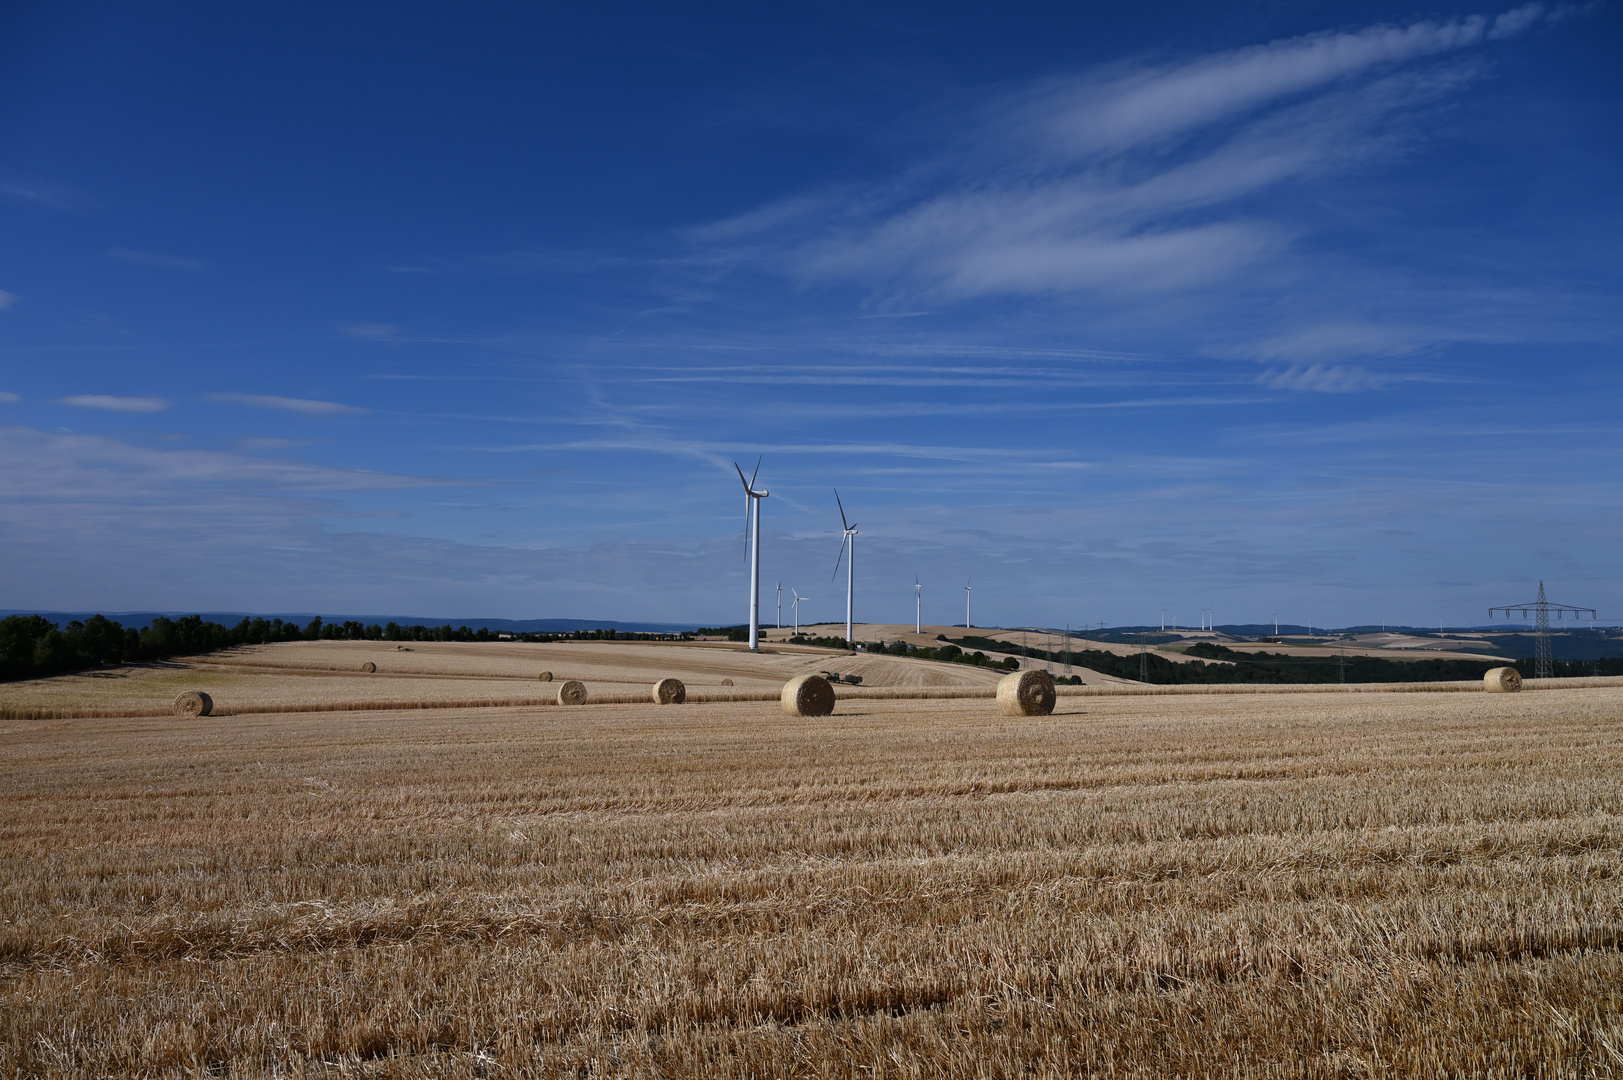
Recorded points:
(66,466)
(921,375)
(54,196)
(1333,341)
(1323,378)
(114,403)
(1128,109)
(717,452)
(157,258)
(211,529)
(7,299)
(8,398)
(1137,181)
(302,406)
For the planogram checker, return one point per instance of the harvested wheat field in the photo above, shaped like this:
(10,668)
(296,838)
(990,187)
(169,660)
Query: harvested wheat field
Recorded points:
(330,676)
(1282,884)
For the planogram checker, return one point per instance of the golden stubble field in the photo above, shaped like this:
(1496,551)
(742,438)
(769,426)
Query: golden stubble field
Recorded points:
(1368,884)
(327,676)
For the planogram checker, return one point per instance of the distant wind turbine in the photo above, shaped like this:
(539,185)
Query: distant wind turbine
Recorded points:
(918,607)
(967,622)
(849,541)
(796,606)
(752,544)
(780,605)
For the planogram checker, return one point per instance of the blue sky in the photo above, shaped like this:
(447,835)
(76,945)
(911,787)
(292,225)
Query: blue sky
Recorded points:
(1298,307)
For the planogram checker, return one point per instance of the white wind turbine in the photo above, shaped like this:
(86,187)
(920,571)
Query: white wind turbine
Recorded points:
(796,606)
(752,543)
(850,540)
(780,605)
(967,597)
(918,607)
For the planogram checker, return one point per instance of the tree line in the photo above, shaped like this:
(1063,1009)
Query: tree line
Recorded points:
(1241,666)
(946,652)
(1265,667)
(32,646)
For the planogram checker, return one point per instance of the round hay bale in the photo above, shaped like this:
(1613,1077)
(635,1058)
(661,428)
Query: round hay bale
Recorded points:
(369,667)
(571,692)
(670,692)
(193,703)
(1026,693)
(808,695)
(545,676)
(1503,680)
(726,682)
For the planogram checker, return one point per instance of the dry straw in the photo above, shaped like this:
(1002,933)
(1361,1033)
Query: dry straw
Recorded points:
(193,703)
(545,676)
(807,695)
(726,682)
(572,692)
(1503,680)
(1207,883)
(1026,693)
(369,667)
(670,692)
(151,708)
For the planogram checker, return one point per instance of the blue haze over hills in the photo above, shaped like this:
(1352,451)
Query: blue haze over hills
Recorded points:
(1567,643)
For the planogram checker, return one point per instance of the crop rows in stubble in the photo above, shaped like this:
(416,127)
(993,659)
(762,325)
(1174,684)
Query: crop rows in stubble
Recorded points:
(1279,884)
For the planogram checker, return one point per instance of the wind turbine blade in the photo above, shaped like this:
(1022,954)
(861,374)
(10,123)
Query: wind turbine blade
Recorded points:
(741,479)
(838,558)
(753,475)
(841,505)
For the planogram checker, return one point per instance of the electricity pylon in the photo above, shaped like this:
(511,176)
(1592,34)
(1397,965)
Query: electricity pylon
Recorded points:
(1543,663)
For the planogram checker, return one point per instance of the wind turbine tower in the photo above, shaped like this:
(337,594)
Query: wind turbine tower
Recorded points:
(780,605)
(796,606)
(918,607)
(752,542)
(849,540)
(968,622)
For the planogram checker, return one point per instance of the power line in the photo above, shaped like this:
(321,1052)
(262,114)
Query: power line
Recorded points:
(1543,661)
